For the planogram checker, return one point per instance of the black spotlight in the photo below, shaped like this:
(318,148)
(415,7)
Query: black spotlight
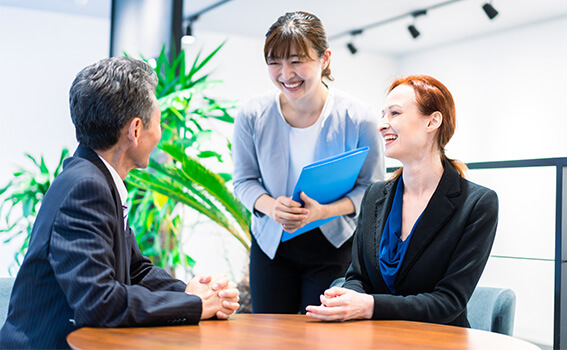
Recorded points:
(188,38)
(351,48)
(413,31)
(489,10)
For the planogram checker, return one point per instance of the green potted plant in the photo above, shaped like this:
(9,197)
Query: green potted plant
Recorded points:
(180,171)
(21,200)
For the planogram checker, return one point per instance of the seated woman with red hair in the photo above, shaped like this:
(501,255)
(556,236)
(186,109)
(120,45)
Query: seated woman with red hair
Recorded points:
(424,236)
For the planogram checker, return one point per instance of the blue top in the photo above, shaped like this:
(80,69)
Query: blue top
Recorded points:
(392,248)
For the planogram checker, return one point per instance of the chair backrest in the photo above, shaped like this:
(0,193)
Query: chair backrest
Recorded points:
(6,284)
(492,309)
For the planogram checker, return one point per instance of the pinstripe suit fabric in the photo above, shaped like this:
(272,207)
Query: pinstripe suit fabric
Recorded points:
(83,268)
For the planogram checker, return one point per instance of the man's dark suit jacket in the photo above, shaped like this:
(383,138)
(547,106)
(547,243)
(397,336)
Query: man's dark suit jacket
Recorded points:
(83,268)
(445,257)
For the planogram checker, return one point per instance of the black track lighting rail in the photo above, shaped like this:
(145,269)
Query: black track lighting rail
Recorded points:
(195,16)
(410,14)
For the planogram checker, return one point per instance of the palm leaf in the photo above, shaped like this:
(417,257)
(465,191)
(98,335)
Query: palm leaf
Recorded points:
(211,182)
(157,184)
(182,179)
(197,66)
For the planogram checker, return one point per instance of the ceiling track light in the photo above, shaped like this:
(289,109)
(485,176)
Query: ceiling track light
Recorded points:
(188,38)
(489,10)
(350,45)
(413,31)
(411,28)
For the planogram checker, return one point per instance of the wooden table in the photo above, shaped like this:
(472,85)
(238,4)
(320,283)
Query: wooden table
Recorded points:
(295,332)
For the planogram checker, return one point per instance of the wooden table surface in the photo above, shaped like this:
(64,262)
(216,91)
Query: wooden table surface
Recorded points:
(295,332)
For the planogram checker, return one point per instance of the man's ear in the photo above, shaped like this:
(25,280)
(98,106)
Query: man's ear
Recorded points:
(435,121)
(133,129)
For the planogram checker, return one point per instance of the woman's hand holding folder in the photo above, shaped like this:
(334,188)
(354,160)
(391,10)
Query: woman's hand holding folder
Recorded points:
(283,210)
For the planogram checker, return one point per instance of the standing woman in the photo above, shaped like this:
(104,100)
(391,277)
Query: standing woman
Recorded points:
(424,236)
(274,137)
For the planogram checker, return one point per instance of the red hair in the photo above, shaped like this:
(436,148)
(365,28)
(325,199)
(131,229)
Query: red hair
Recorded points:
(432,96)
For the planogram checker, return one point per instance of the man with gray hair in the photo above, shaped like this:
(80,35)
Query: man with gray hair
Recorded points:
(83,266)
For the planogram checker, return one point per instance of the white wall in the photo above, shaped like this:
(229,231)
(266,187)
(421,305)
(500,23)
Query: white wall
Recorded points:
(509,89)
(40,53)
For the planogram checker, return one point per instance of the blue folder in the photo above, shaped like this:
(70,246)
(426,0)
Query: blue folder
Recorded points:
(326,181)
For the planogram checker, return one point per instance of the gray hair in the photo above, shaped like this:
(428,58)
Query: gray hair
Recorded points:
(106,95)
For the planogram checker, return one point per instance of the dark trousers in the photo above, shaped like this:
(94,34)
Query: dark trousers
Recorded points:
(301,271)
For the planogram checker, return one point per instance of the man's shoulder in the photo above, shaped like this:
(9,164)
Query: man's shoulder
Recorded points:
(77,171)
(78,168)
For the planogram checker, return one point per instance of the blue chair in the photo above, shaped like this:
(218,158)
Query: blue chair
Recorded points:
(6,284)
(492,309)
